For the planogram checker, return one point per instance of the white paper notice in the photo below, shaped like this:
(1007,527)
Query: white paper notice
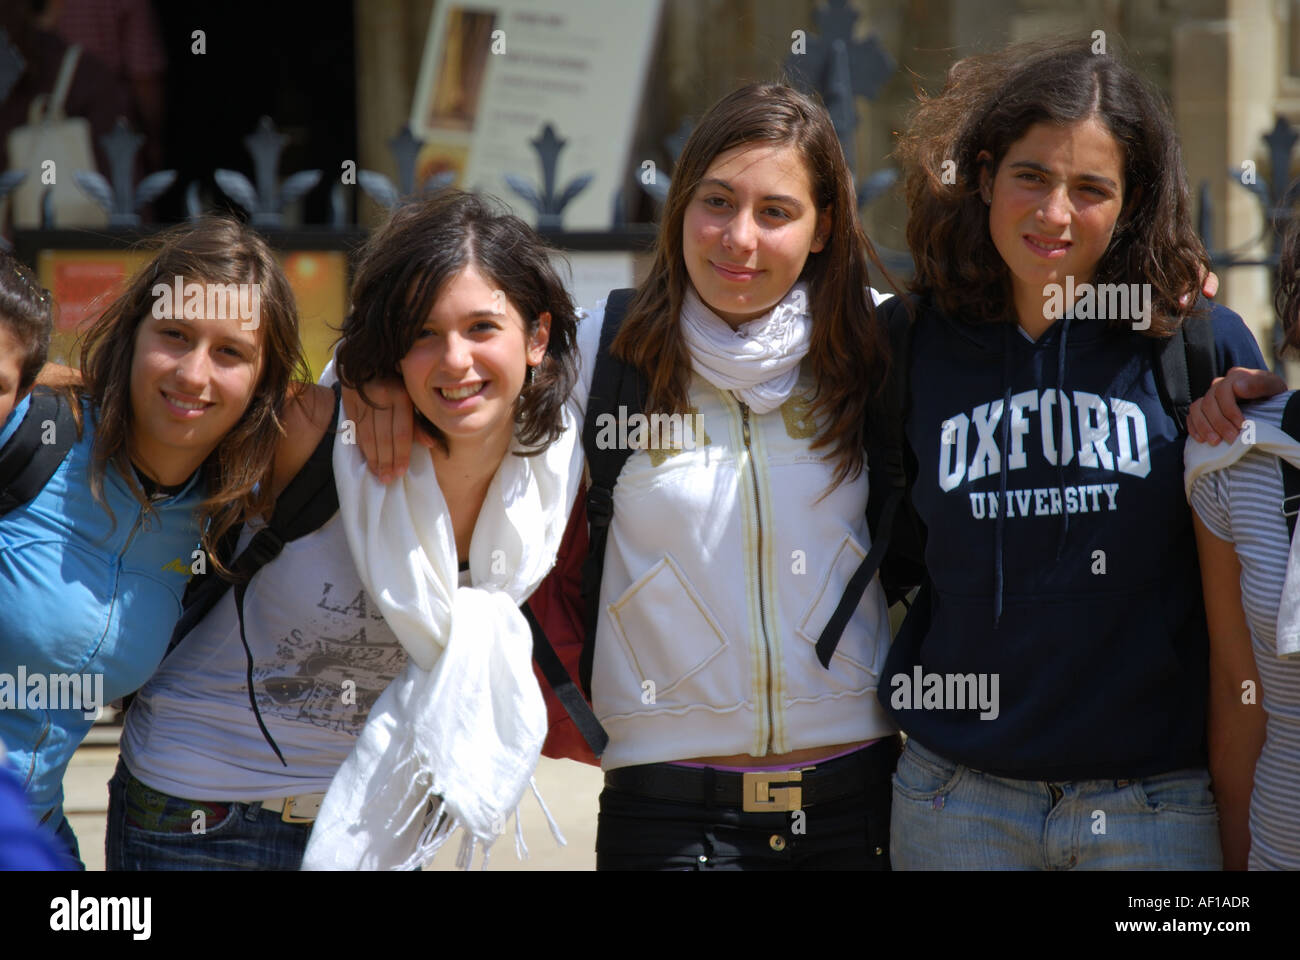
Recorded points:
(494,74)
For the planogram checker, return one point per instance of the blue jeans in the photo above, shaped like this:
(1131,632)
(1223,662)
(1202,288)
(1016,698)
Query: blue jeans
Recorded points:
(148,830)
(67,839)
(947,816)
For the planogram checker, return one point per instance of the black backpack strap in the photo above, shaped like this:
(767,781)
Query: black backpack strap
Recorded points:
(1186,365)
(1290,474)
(888,482)
(614,384)
(306,504)
(565,689)
(26,461)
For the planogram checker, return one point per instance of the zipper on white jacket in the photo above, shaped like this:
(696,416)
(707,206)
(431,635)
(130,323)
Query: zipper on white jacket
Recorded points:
(762,606)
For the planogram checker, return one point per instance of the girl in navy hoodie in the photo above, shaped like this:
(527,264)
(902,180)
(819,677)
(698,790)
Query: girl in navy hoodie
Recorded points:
(1052,676)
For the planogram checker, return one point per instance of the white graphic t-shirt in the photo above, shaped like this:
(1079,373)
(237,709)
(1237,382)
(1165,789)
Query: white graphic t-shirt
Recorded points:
(321,654)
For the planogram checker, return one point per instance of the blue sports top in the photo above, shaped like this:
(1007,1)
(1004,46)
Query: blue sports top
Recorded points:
(1063,635)
(87,594)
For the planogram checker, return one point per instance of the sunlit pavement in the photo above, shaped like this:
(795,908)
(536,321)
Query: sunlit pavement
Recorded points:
(570,790)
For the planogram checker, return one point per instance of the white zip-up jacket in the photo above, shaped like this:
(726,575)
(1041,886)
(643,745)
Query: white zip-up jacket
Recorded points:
(722,565)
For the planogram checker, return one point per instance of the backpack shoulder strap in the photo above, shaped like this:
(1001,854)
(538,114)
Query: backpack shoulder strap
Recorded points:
(566,691)
(614,385)
(1186,365)
(1290,474)
(27,461)
(306,504)
(886,466)
(309,500)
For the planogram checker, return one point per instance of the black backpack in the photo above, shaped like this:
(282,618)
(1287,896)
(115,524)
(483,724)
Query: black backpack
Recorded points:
(1185,367)
(1290,473)
(27,461)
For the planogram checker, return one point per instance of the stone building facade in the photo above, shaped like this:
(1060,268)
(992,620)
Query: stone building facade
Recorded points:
(1229,67)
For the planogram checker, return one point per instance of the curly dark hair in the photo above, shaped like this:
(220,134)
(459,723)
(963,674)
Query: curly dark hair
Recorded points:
(989,103)
(403,269)
(1286,293)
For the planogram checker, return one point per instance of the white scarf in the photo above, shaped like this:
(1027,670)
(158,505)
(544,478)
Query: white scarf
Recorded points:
(759,360)
(454,739)
(1200,458)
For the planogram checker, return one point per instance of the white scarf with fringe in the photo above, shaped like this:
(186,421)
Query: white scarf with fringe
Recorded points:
(453,741)
(759,360)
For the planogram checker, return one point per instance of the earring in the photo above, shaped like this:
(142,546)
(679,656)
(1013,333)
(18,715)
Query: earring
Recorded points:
(532,371)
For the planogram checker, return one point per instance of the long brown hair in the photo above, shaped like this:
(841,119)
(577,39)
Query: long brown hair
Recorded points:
(847,350)
(238,471)
(989,103)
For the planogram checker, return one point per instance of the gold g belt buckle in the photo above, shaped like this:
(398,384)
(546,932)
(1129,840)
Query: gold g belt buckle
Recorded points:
(775,792)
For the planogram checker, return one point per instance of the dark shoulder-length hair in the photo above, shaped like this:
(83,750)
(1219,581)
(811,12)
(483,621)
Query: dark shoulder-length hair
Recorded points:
(1286,294)
(847,349)
(237,473)
(27,311)
(402,271)
(988,103)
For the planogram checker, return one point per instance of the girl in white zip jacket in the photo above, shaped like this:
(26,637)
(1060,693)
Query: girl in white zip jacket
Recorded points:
(725,560)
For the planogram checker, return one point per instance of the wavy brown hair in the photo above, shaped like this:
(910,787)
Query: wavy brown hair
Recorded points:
(238,470)
(988,103)
(403,269)
(847,349)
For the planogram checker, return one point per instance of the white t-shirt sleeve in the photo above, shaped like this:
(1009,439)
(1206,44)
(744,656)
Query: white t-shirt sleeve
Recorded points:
(588,343)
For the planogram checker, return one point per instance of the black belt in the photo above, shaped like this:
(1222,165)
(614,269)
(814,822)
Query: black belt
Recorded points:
(775,791)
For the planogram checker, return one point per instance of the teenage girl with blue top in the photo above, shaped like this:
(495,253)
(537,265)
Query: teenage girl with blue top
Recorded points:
(178,422)
(1060,556)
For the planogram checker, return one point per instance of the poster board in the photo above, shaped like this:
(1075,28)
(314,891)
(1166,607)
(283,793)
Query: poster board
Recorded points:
(495,72)
(85,280)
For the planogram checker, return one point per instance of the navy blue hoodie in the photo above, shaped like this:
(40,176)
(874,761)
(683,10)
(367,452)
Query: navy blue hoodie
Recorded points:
(1070,592)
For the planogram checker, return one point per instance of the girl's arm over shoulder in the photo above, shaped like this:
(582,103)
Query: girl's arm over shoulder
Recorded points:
(1217,416)
(57,375)
(1236,728)
(306,417)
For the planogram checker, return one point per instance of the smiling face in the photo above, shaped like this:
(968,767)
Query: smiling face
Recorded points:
(191,381)
(11,368)
(468,363)
(749,228)
(1054,203)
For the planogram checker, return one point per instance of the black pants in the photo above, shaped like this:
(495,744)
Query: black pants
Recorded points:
(852,833)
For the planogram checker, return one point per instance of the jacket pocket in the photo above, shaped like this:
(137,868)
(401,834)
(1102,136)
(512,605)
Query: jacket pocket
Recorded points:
(865,639)
(666,629)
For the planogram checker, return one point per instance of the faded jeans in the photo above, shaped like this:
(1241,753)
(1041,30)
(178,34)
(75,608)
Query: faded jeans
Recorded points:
(947,816)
